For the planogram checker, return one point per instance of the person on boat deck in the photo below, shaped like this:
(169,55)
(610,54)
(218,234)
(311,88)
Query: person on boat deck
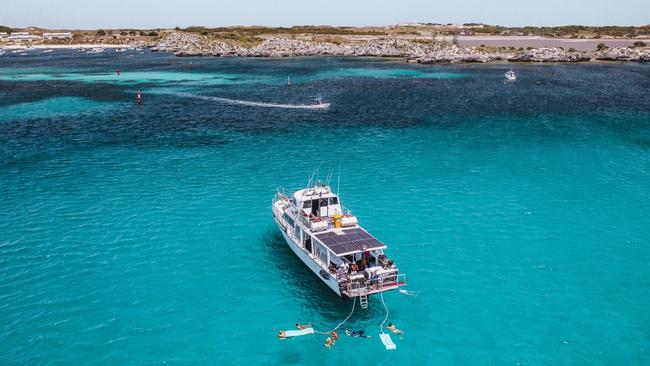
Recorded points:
(341,271)
(353,268)
(366,256)
(301,327)
(362,264)
(356,333)
(392,328)
(345,266)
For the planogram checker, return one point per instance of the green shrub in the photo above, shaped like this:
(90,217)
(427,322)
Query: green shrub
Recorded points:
(601,46)
(639,44)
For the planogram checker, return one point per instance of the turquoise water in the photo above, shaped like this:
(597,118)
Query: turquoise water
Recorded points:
(143,235)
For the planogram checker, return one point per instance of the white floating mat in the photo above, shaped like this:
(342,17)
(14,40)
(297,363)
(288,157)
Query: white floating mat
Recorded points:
(297,333)
(385,339)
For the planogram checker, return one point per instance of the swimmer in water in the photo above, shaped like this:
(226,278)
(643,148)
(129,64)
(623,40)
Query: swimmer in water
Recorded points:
(281,335)
(356,333)
(395,331)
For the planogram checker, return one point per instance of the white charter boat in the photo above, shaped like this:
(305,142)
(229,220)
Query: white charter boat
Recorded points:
(511,76)
(329,240)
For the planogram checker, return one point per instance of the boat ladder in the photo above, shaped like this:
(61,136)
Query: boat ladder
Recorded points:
(363,300)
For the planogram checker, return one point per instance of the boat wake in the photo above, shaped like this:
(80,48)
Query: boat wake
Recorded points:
(256,104)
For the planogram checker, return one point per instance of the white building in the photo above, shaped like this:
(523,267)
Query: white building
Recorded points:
(23,36)
(57,35)
(3,34)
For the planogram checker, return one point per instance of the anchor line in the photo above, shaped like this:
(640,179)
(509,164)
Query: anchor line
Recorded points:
(381,327)
(354,301)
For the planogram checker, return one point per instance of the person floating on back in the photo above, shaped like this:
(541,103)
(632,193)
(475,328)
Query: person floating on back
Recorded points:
(301,327)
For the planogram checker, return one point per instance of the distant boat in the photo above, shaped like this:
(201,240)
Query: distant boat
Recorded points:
(96,50)
(318,103)
(511,76)
(47,51)
(120,50)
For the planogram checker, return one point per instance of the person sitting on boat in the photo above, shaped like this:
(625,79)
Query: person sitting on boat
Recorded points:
(354,268)
(392,328)
(301,327)
(356,333)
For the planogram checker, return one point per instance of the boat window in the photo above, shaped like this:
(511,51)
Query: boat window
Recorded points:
(306,204)
(334,200)
(288,219)
(323,202)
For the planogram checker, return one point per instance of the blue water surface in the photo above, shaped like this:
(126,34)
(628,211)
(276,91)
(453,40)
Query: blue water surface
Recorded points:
(143,234)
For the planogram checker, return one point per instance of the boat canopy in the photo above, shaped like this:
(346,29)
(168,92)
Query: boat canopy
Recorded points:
(349,241)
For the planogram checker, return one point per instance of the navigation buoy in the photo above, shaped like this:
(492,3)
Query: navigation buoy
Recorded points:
(139,98)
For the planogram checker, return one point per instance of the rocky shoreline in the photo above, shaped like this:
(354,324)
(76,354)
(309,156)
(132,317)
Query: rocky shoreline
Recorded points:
(185,44)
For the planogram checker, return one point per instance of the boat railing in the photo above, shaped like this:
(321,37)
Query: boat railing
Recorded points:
(389,281)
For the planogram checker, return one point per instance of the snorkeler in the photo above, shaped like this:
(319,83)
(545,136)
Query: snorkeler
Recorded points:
(356,333)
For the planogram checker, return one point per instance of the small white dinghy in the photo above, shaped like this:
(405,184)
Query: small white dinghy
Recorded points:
(511,76)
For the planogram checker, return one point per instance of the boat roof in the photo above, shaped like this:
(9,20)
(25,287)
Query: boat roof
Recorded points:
(349,241)
(313,193)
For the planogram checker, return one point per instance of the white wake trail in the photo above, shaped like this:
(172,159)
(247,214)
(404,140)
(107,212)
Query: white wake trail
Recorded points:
(256,104)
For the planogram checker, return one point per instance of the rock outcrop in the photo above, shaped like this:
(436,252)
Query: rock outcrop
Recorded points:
(191,44)
(553,54)
(623,54)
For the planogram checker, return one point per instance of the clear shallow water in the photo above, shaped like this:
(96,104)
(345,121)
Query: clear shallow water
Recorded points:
(143,235)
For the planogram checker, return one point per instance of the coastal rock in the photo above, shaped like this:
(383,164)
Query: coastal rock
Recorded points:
(623,54)
(187,44)
(455,54)
(553,54)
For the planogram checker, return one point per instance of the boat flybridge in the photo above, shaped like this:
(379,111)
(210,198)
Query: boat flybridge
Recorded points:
(328,239)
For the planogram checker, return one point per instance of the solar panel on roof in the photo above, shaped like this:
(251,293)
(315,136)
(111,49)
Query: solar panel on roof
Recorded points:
(352,240)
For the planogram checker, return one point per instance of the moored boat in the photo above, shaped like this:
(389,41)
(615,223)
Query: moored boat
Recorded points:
(332,244)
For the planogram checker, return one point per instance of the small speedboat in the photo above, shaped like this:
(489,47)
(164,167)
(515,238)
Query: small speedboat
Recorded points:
(318,103)
(511,76)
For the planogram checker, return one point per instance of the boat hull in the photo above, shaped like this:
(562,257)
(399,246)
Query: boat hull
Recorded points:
(313,266)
